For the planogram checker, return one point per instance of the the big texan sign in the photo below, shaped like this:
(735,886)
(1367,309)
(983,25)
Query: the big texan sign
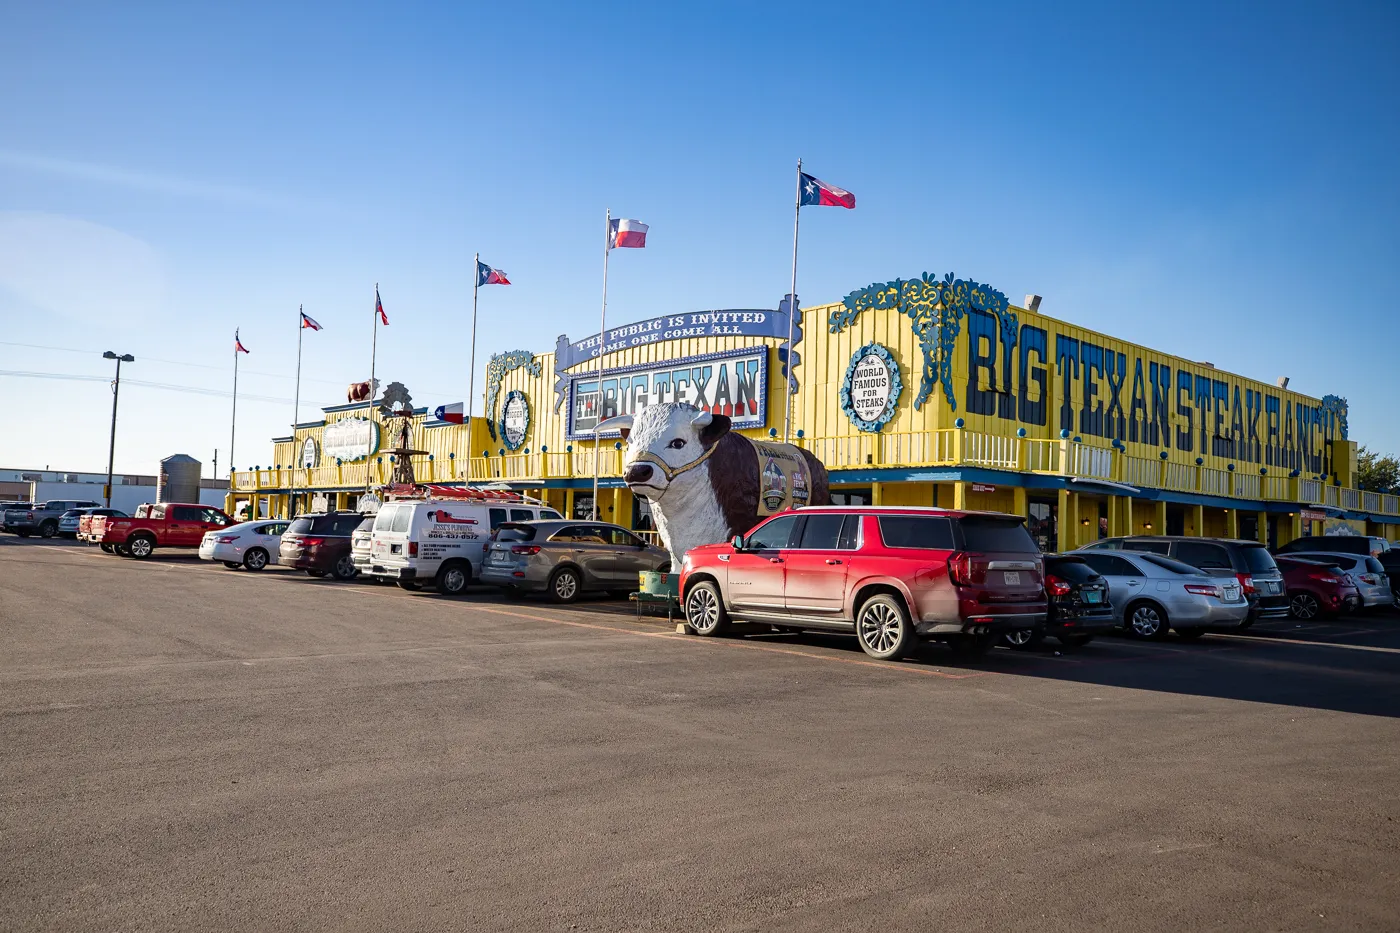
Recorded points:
(1000,367)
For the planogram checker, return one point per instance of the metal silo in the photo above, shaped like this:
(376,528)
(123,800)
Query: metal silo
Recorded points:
(179,479)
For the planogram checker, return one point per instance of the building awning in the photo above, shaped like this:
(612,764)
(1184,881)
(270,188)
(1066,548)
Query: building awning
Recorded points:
(1105,484)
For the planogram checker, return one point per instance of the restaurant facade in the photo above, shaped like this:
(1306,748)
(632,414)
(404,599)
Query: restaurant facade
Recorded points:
(932,390)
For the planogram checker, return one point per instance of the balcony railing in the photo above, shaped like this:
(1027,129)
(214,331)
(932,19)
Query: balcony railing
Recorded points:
(950,447)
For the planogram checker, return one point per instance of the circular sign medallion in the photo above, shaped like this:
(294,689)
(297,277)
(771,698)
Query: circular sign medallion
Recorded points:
(515,419)
(871,388)
(310,454)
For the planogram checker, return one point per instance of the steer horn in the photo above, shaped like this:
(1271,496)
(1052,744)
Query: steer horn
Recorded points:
(621,423)
(702,419)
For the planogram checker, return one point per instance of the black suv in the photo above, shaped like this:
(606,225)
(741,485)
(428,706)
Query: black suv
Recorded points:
(1078,605)
(1248,561)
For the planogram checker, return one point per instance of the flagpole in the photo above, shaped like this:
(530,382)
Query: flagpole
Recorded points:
(471,364)
(233,420)
(792,306)
(602,343)
(373,352)
(296,416)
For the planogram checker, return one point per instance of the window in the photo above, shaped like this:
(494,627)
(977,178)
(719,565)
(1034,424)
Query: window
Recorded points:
(1258,560)
(215,516)
(1111,565)
(517,533)
(366,524)
(498,516)
(1374,566)
(1202,554)
(522,515)
(344,525)
(299,526)
(1072,570)
(1173,566)
(920,531)
(1146,544)
(187,513)
(549,513)
(770,535)
(402,518)
(851,497)
(823,531)
(1108,544)
(621,538)
(385,519)
(996,534)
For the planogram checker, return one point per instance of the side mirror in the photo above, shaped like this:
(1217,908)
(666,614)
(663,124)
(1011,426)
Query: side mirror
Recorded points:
(737,542)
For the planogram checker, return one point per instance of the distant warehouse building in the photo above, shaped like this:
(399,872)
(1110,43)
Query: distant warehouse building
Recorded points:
(926,391)
(128,489)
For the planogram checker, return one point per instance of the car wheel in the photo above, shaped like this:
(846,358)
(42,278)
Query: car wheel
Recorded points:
(48,529)
(971,646)
(141,546)
(883,628)
(345,568)
(315,573)
(1303,606)
(704,610)
(1147,620)
(409,585)
(232,564)
(565,586)
(1190,634)
(1024,639)
(453,577)
(107,548)
(255,559)
(1075,641)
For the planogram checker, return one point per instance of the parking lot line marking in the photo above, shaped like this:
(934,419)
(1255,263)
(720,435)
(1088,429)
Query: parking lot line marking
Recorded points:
(700,642)
(1310,644)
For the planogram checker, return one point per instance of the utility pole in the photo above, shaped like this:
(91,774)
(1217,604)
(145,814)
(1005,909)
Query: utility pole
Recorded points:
(116,390)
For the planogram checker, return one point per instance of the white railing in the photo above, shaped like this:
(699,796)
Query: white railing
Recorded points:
(992,450)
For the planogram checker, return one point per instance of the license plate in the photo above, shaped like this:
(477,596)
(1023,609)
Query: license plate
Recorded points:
(1012,577)
(1092,596)
(1232,593)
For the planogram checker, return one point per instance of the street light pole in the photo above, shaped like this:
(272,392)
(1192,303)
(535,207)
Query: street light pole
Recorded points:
(116,391)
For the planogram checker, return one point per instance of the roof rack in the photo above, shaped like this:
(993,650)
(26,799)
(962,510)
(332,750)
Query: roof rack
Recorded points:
(498,493)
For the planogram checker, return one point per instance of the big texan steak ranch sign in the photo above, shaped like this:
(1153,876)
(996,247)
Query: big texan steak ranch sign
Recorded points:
(733,384)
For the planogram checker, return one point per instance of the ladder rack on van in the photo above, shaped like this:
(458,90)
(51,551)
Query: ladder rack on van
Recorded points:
(465,493)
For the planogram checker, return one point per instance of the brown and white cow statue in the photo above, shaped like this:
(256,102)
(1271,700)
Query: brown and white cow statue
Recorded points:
(361,391)
(705,482)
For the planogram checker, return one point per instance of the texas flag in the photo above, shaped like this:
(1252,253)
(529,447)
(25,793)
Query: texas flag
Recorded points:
(485,275)
(817,193)
(627,233)
(238,344)
(452,414)
(378,307)
(308,321)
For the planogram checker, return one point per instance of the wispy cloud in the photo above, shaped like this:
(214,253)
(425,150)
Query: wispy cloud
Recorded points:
(143,181)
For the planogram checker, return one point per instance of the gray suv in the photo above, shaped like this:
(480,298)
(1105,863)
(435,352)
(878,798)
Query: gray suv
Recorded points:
(564,558)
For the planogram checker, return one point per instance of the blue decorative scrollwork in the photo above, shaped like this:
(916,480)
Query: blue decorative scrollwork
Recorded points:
(1336,406)
(496,369)
(896,388)
(936,308)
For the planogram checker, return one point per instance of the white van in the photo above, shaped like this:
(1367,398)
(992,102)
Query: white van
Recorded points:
(442,541)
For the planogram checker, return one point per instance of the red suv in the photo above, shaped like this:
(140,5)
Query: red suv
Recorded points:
(889,575)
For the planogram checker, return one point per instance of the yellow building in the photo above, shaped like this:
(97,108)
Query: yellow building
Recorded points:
(927,391)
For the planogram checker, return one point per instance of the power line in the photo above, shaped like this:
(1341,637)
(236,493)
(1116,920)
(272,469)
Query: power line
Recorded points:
(194,390)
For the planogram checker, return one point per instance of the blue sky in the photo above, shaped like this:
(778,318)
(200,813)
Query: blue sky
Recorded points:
(1215,183)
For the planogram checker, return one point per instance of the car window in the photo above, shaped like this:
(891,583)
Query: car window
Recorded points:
(822,531)
(187,513)
(518,533)
(621,538)
(384,519)
(1203,554)
(345,525)
(144,511)
(522,515)
(1152,547)
(920,531)
(71,513)
(1174,566)
(549,513)
(776,533)
(996,534)
(214,515)
(402,518)
(366,523)
(1111,565)
(1374,566)
(299,526)
(1071,569)
(498,517)
(1257,559)
(850,533)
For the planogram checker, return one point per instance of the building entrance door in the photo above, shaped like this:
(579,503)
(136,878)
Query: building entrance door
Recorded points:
(1043,523)
(1176,519)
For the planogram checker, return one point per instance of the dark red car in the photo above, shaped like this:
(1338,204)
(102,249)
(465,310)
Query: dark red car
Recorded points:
(320,544)
(1317,588)
(888,575)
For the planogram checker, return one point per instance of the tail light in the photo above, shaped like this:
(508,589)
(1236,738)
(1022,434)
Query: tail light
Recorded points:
(1201,589)
(413,549)
(1055,586)
(227,539)
(311,542)
(960,568)
(1371,579)
(31,516)
(1322,576)
(1246,583)
(529,549)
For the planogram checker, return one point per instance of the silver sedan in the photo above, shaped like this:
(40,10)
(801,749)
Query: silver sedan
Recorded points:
(1151,593)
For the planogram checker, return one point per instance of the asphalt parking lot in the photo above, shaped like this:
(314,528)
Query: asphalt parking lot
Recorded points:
(189,748)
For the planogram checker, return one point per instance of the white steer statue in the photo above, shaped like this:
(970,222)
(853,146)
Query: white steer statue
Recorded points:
(707,483)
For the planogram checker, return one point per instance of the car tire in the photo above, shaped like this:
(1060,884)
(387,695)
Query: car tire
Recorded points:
(141,546)
(121,550)
(1190,634)
(255,559)
(705,614)
(315,573)
(345,569)
(106,548)
(1025,639)
(232,564)
(883,628)
(1075,641)
(1147,620)
(972,646)
(1304,606)
(48,529)
(1248,621)
(410,585)
(565,586)
(453,577)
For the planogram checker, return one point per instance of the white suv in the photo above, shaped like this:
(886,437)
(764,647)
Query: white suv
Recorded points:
(440,540)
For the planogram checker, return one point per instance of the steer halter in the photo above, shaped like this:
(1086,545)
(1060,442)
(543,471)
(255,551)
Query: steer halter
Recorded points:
(670,471)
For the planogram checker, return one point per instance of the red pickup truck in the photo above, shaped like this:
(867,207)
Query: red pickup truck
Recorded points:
(164,524)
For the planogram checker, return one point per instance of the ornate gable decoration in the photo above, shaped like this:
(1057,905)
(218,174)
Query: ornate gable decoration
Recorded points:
(496,369)
(936,309)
